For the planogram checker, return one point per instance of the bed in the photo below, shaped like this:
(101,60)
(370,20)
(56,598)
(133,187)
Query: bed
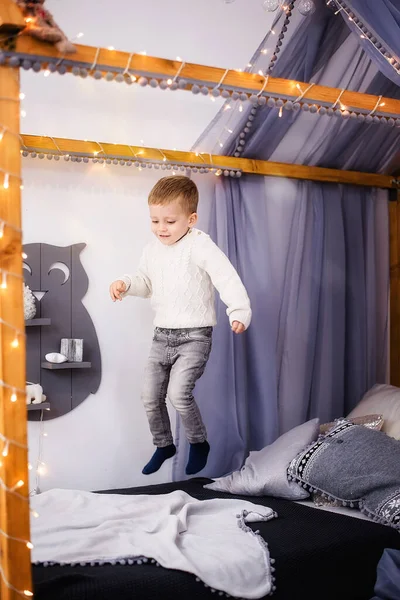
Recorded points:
(319,555)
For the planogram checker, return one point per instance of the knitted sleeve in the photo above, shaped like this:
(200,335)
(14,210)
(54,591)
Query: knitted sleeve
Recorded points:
(140,283)
(224,277)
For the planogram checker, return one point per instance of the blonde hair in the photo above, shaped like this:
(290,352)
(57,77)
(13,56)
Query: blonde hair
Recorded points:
(177,187)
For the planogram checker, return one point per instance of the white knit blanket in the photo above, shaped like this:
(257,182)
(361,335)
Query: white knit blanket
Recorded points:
(206,538)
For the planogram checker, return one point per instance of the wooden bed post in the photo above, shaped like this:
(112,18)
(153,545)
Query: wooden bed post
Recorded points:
(15,565)
(394,220)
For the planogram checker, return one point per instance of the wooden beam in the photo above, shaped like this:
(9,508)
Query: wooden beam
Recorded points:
(394,224)
(11,18)
(161,68)
(90,149)
(14,509)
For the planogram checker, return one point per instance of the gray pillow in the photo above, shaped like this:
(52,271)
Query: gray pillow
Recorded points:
(265,471)
(356,465)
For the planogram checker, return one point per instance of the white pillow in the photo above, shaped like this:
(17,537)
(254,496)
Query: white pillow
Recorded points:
(264,472)
(384,400)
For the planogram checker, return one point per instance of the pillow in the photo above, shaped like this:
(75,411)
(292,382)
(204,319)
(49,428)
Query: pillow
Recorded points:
(265,471)
(372,421)
(384,400)
(356,465)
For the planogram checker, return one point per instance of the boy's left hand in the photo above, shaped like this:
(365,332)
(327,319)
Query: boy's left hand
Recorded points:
(238,327)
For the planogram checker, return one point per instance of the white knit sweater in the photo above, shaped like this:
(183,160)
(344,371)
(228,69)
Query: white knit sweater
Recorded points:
(180,281)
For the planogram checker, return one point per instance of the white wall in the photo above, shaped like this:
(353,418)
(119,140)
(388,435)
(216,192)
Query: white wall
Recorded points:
(105,442)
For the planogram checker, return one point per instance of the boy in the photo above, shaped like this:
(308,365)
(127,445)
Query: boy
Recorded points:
(178,271)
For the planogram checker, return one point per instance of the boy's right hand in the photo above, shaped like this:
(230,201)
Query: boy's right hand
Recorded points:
(116,289)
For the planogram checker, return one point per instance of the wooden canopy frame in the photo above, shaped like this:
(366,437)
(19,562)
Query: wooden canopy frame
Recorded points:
(15,574)
(53,146)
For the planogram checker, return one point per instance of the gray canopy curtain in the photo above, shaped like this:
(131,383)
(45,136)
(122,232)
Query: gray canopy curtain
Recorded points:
(313,256)
(377,25)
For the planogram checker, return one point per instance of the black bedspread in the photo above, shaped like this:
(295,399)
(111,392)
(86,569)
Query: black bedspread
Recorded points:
(319,556)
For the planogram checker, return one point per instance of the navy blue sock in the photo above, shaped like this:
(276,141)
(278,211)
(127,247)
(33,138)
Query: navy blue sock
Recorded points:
(159,456)
(197,457)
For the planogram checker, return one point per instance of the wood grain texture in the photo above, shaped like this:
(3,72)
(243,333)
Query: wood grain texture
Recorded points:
(247,165)
(161,68)
(14,511)
(11,17)
(394,216)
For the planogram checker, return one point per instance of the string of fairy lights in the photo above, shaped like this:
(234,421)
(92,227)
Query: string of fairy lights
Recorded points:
(14,393)
(62,65)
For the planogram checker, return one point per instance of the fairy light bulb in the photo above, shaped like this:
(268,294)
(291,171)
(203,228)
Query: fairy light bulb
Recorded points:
(169,81)
(35,514)
(15,342)
(6,182)
(29,545)
(30,467)
(13,396)
(42,469)
(22,96)
(1,134)
(24,255)
(28,593)
(5,449)
(280,111)
(46,73)
(4,281)
(18,485)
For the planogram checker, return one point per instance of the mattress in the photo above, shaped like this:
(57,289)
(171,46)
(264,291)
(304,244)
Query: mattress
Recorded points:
(319,555)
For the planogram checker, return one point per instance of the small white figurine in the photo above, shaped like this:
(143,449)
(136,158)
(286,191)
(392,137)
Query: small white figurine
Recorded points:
(34,393)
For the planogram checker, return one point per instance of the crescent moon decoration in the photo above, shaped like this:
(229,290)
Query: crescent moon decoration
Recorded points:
(26,267)
(62,267)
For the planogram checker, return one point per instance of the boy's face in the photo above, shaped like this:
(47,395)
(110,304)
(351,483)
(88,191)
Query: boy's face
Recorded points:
(170,222)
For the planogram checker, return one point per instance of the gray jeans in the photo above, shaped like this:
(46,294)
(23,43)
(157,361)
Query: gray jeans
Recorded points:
(177,359)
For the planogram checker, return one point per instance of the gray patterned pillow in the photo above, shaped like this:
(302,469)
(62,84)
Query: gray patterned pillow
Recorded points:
(356,465)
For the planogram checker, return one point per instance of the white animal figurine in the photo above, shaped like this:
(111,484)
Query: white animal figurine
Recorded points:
(34,393)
